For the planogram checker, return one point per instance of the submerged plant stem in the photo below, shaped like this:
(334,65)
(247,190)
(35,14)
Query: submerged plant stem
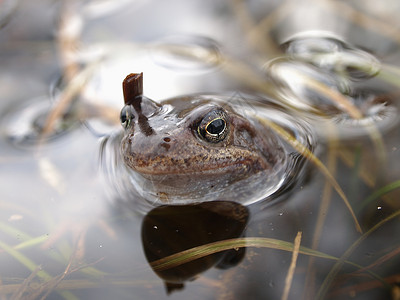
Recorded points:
(338,265)
(379,193)
(323,211)
(365,174)
(309,155)
(382,27)
(189,255)
(390,74)
(336,97)
(259,39)
(30,265)
(204,250)
(73,88)
(289,277)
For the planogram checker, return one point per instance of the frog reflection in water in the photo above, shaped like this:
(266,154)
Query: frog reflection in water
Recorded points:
(170,229)
(195,149)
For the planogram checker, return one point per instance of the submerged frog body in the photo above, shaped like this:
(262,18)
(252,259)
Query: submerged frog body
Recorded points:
(198,148)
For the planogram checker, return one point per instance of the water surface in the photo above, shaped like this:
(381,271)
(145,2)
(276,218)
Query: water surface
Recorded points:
(67,233)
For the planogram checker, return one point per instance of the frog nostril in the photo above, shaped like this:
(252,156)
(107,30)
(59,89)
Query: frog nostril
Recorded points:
(130,138)
(165,143)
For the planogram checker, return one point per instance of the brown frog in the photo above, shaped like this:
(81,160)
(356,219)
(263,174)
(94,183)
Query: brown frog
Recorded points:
(196,148)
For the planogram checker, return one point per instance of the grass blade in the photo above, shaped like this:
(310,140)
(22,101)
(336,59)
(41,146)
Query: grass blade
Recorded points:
(289,277)
(336,268)
(211,248)
(309,155)
(379,193)
(25,261)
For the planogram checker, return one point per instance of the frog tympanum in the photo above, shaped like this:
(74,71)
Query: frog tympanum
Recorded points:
(196,148)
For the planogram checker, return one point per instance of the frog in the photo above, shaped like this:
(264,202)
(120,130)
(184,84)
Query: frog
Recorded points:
(196,148)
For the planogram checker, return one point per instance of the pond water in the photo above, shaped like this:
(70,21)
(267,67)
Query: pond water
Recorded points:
(322,79)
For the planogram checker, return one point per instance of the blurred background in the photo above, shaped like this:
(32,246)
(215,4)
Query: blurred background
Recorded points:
(64,235)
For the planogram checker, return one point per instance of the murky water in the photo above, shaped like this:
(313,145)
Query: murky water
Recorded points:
(76,224)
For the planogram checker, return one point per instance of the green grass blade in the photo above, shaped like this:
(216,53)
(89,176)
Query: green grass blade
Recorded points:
(30,265)
(379,193)
(289,138)
(258,242)
(338,265)
(31,242)
(25,261)
(14,232)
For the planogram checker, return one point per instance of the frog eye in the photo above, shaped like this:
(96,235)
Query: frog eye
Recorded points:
(126,116)
(214,127)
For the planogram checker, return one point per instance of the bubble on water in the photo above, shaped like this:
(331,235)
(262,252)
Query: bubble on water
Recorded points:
(271,284)
(377,109)
(319,76)
(23,124)
(331,53)
(310,44)
(186,53)
(296,81)
(354,64)
(98,115)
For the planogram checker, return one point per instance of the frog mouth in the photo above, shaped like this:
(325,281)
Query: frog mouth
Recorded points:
(245,186)
(185,167)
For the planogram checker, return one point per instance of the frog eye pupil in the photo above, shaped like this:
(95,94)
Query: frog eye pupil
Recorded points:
(216,127)
(126,116)
(123,119)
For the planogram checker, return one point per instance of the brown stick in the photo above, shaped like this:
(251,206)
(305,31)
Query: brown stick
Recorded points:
(132,87)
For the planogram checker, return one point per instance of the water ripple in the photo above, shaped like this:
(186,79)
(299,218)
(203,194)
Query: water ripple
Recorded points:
(332,54)
(128,186)
(23,124)
(330,81)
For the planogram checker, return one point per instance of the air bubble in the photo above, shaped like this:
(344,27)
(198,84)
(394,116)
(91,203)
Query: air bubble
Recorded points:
(309,45)
(330,53)
(24,124)
(378,111)
(296,83)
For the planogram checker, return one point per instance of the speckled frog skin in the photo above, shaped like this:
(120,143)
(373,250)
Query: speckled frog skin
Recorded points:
(196,148)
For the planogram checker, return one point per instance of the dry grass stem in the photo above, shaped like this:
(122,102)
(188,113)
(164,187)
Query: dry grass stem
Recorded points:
(289,138)
(382,27)
(323,211)
(258,39)
(289,277)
